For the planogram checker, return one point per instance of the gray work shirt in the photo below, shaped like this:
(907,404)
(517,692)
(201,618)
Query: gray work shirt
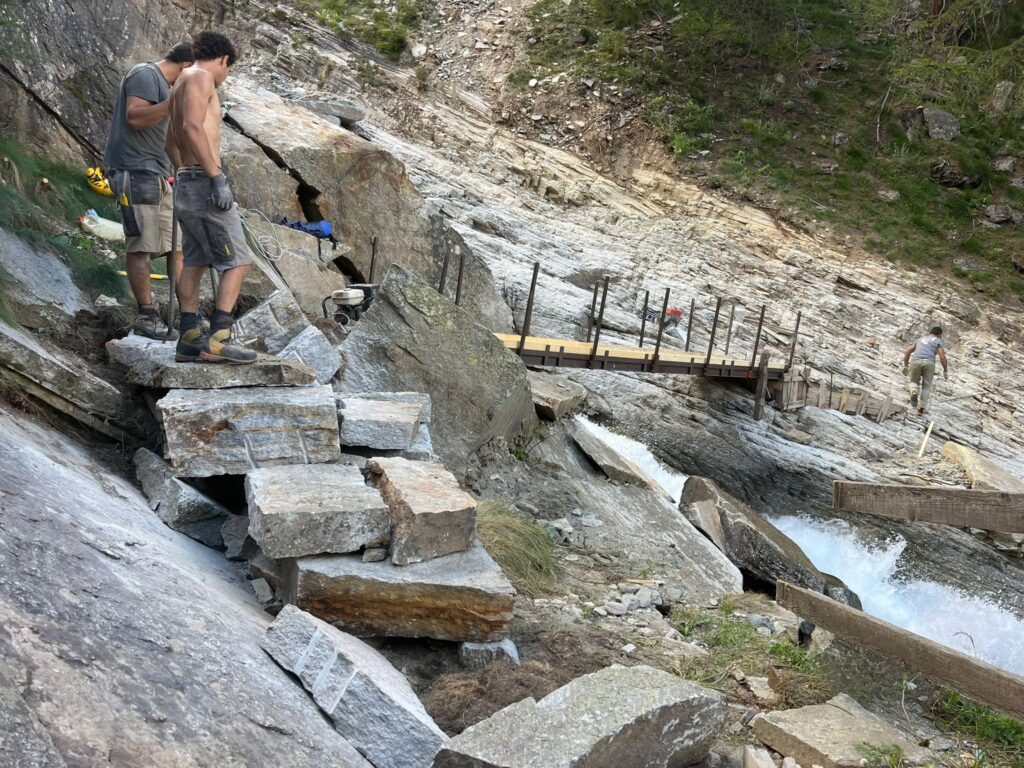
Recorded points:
(927,347)
(129,149)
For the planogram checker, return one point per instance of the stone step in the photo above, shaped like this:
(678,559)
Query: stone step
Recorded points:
(151,363)
(180,506)
(234,431)
(369,702)
(378,424)
(463,596)
(327,508)
(431,515)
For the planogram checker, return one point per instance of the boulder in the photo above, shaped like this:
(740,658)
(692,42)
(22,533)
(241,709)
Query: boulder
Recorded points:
(757,757)
(179,505)
(414,339)
(276,321)
(1001,96)
(431,515)
(479,655)
(377,423)
(982,473)
(463,596)
(344,111)
(749,541)
(369,702)
(999,213)
(940,124)
(639,716)
(312,347)
(554,396)
(834,734)
(233,431)
(238,544)
(257,181)
(616,466)
(151,363)
(310,510)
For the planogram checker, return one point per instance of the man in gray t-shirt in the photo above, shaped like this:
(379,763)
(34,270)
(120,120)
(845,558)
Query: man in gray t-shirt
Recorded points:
(919,365)
(139,166)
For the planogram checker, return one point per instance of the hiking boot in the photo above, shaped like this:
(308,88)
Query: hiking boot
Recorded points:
(152,327)
(913,399)
(190,346)
(920,411)
(217,348)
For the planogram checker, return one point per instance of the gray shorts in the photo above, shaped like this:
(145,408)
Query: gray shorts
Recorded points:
(211,236)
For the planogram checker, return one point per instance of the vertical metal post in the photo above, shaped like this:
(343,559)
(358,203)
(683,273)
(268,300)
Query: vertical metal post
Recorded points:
(593,309)
(600,319)
(792,347)
(458,283)
(373,258)
(643,318)
(529,308)
(444,274)
(711,341)
(762,387)
(689,325)
(757,338)
(728,337)
(661,329)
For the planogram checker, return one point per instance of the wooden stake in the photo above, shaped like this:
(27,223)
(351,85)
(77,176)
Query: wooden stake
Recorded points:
(924,442)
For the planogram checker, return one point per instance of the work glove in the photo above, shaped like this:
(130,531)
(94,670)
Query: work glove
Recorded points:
(221,195)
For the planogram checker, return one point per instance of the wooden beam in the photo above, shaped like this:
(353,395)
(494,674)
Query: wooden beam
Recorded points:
(762,387)
(959,507)
(982,682)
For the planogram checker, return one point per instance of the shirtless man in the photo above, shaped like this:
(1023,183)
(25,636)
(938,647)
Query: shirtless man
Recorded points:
(211,227)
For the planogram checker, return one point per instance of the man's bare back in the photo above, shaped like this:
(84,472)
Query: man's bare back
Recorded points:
(195,120)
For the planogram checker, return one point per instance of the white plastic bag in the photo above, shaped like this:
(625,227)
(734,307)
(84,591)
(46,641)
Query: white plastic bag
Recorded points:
(105,229)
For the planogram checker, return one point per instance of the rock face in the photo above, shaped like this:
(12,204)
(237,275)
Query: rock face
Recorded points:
(310,510)
(414,339)
(307,270)
(641,717)
(833,734)
(233,431)
(135,633)
(41,289)
(983,474)
(613,464)
(238,544)
(265,187)
(378,424)
(464,596)
(555,396)
(751,542)
(179,505)
(431,515)
(150,363)
(369,701)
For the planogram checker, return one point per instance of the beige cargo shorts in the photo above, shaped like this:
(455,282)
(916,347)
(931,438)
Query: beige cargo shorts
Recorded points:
(147,211)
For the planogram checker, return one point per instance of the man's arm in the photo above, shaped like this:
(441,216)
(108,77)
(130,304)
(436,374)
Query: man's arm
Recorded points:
(198,90)
(142,114)
(945,364)
(907,353)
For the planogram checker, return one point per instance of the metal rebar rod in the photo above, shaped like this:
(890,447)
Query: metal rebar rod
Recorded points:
(728,336)
(444,274)
(711,341)
(792,347)
(373,258)
(529,308)
(689,325)
(600,319)
(661,329)
(593,309)
(458,282)
(643,318)
(757,338)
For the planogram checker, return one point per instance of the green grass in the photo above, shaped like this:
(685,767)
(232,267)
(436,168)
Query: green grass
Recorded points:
(1000,739)
(520,546)
(755,83)
(364,20)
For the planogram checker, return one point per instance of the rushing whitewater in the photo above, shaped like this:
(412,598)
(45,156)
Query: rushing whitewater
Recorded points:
(974,627)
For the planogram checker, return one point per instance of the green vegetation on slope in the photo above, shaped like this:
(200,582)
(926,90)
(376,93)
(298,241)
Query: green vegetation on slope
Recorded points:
(802,103)
(1000,739)
(384,28)
(519,546)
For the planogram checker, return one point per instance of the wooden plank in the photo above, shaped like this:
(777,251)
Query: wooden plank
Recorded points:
(982,682)
(959,507)
(844,399)
(862,404)
(883,412)
(824,394)
(762,386)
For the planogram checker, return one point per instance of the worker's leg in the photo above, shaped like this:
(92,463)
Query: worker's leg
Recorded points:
(190,343)
(137,267)
(927,374)
(231,258)
(915,378)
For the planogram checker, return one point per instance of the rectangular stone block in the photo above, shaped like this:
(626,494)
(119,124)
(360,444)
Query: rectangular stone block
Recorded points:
(464,596)
(369,701)
(421,399)
(312,348)
(554,396)
(387,426)
(234,431)
(328,508)
(276,321)
(431,515)
(180,506)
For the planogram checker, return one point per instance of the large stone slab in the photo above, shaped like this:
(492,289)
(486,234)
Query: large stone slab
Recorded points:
(463,596)
(431,515)
(276,321)
(180,506)
(306,269)
(616,466)
(834,734)
(555,396)
(639,717)
(151,363)
(422,399)
(369,701)
(378,423)
(982,473)
(233,431)
(747,539)
(310,510)
(312,347)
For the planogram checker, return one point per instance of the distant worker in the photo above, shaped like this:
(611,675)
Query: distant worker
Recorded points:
(206,208)
(139,162)
(919,364)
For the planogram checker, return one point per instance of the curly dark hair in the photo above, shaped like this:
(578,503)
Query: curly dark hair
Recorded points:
(181,54)
(213,45)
